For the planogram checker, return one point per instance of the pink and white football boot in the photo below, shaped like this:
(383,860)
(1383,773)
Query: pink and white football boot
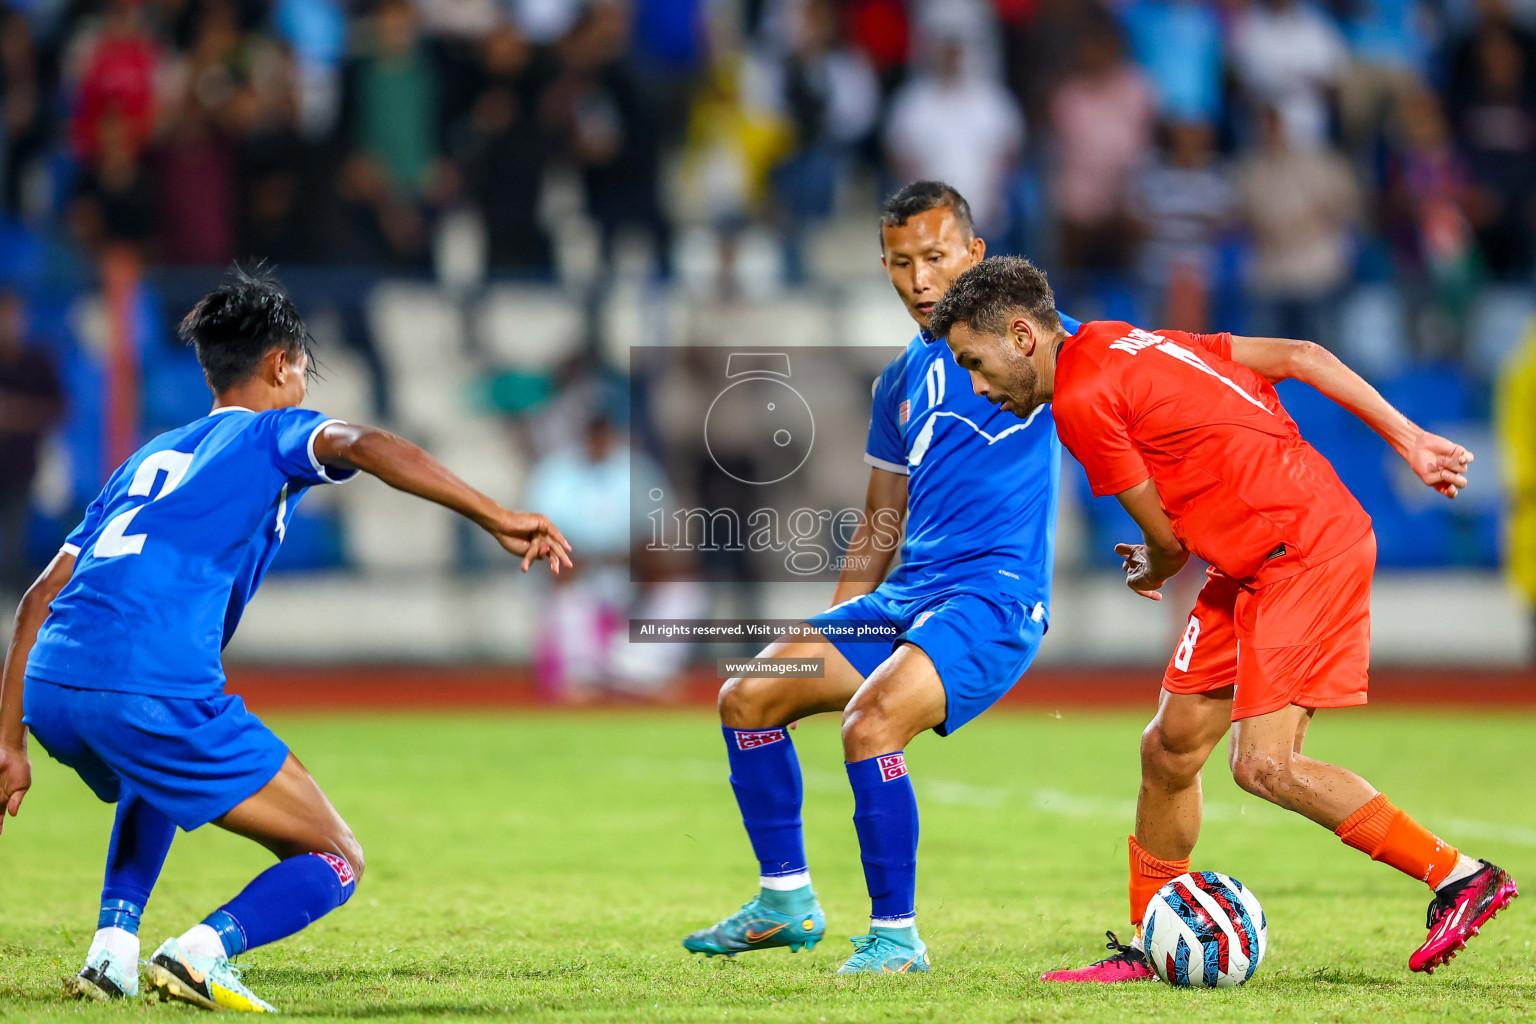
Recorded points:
(1459,912)
(1128,964)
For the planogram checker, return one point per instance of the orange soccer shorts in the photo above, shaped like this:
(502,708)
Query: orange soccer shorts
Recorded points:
(1303,640)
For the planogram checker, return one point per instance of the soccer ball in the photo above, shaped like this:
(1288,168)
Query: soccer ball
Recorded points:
(1204,929)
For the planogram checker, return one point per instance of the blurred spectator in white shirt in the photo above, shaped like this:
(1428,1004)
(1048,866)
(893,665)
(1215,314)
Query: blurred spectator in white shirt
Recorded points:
(1290,56)
(954,124)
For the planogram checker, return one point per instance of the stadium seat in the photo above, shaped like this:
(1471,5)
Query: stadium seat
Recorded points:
(485,454)
(801,320)
(412,325)
(1373,330)
(389,531)
(632,314)
(343,389)
(420,339)
(872,314)
(528,327)
(1501,317)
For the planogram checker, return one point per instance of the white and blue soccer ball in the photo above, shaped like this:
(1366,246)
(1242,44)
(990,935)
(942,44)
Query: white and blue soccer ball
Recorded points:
(1204,930)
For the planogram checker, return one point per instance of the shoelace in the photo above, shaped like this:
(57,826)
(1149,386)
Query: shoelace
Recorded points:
(234,972)
(1122,951)
(1440,906)
(864,946)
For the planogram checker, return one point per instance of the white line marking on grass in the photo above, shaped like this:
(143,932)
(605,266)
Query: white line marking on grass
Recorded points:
(1512,834)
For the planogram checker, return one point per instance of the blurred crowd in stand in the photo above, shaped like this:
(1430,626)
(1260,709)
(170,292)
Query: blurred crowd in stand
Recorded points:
(1385,138)
(1359,172)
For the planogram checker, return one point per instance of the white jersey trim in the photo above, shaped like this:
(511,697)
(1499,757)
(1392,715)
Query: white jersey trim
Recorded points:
(320,469)
(889,467)
(70,549)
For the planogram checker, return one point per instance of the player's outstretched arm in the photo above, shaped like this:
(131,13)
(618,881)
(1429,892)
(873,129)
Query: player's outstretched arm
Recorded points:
(15,768)
(406,467)
(874,543)
(1439,462)
(1160,555)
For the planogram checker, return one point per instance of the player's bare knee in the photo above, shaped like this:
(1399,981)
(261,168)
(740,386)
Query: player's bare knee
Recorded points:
(868,731)
(748,703)
(340,842)
(352,852)
(1259,772)
(1163,760)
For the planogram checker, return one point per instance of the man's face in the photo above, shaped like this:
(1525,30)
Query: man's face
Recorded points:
(924,255)
(1000,367)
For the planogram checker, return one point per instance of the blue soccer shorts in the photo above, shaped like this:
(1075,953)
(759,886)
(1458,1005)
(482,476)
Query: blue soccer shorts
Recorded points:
(192,760)
(980,643)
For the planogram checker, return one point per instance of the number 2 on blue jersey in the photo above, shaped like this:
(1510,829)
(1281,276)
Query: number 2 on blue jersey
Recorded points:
(115,539)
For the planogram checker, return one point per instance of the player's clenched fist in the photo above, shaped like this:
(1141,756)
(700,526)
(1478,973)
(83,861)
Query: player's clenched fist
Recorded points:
(1440,462)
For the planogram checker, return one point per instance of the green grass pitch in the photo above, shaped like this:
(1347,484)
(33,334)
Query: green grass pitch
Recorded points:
(544,866)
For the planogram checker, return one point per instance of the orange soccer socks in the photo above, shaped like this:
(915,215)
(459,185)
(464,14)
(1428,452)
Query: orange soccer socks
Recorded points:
(1148,874)
(1390,836)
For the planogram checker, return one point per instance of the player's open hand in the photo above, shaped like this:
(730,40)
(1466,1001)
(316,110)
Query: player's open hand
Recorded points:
(1440,462)
(535,539)
(15,780)
(1139,573)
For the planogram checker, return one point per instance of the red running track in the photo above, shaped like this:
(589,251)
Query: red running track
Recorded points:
(395,686)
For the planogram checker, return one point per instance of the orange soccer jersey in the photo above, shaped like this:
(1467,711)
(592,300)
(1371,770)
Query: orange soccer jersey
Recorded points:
(1291,548)
(1243,490)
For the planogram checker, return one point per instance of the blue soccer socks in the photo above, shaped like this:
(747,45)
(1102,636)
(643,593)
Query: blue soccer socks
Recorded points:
(141,837)
(765,773)
(285,898)
(885,817)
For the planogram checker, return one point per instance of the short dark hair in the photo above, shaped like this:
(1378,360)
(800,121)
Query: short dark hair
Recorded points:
(920,197)
(983,297)
(239,322)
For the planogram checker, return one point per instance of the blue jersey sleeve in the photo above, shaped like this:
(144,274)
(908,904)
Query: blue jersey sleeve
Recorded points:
(885,448)
(293,434)
(89,525)
(1068,324)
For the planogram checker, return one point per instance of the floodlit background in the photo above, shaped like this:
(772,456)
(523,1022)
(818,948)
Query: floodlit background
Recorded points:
(482,207)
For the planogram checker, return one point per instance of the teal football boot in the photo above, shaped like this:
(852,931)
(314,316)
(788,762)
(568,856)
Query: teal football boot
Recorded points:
(212,983)
(876,954)
(106,976)
(756,926)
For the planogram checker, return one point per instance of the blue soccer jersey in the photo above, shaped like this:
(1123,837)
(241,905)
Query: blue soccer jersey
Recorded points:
(982,493)
(173,548)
